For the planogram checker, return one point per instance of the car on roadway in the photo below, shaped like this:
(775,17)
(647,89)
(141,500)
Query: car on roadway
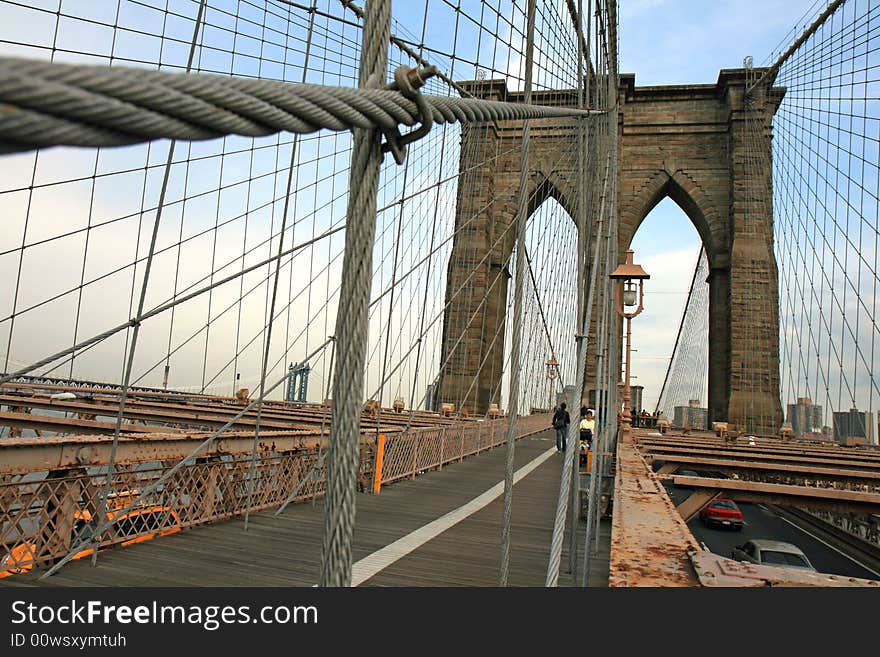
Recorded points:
(722,513)
(140,523)
(772,553)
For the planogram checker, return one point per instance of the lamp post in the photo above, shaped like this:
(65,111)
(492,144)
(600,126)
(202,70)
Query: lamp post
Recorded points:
(552,373)
(630,280)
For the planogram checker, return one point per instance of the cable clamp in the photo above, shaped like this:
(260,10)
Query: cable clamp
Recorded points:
(408,81)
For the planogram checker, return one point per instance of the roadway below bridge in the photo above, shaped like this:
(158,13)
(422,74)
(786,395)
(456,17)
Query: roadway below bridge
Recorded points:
(767,522)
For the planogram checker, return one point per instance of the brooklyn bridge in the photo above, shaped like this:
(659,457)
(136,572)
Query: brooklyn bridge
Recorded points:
(315,293)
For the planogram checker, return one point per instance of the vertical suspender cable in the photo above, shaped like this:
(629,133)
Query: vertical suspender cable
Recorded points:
(271,318)
(684,314)
(602,367)
(102,502)
(521,217)
(352,320)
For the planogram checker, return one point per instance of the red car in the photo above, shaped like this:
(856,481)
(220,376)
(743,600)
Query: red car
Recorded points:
(722,513)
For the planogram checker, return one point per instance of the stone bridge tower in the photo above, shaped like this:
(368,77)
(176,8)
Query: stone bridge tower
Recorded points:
(705,146)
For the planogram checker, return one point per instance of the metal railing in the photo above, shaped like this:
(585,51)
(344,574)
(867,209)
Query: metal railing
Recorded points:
(43,515)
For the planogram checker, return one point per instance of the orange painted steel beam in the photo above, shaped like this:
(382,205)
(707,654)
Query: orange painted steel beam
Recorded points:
(377,469)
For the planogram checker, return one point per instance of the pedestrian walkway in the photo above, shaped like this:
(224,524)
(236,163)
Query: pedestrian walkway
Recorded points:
(442,528)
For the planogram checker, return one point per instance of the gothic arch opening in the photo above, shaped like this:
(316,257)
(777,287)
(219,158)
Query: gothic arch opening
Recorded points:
(686,195)
(668,246)
(549,301)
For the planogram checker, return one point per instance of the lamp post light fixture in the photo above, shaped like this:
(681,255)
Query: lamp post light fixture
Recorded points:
(630,279)
(552,373)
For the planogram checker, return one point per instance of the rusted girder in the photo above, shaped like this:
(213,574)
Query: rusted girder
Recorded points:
(695,502)
(651,544)
(805,468)
(783,494)
(74,425)
(664,453)
(180,415)
(649,539)
(762,446)
(200,410)
(21,455)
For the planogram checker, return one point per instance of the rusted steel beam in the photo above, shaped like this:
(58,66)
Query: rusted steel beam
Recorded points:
(286,412)
(831,450)
(695,502)
(133,412)
(21,455)
(671,462)
(762,446)
(73,425)
(785,494)
(705,435)
(667,468)
(664,453)
(177,413)
(649,539)
(651,544)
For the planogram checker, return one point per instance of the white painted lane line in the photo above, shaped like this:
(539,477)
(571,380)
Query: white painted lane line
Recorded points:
(381,559)
(859,563)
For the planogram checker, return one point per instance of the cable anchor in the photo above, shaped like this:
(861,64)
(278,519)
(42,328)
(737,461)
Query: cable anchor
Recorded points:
(408,81)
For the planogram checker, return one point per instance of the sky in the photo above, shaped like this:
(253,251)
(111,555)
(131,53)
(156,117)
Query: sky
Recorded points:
(685,42)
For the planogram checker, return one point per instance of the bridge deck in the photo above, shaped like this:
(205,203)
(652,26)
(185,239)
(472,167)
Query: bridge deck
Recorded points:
(285,550)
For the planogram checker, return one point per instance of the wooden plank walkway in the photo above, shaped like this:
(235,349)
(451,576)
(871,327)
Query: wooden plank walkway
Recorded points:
(286,550)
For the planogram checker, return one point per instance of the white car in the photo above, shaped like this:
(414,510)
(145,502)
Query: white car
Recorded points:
(772,553)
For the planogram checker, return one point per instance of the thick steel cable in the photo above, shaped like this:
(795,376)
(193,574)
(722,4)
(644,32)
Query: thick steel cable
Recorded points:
(352,325)
(609,444)
(604,369)
(49,104)
(583,245)
(521,218)
(770,74)
(607,331)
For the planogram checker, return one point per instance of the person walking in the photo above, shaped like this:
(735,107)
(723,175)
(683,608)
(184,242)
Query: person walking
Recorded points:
(561,420)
